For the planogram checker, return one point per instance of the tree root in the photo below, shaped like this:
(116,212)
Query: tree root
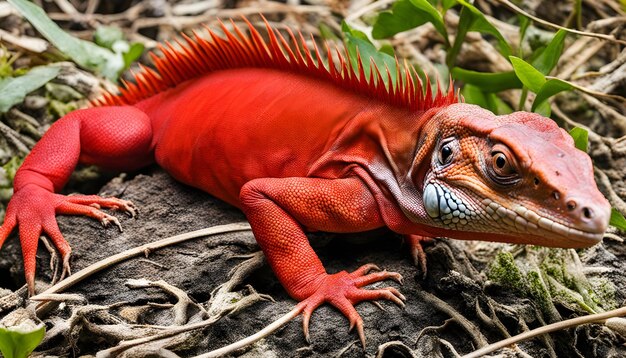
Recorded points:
(594,318)
(115,259)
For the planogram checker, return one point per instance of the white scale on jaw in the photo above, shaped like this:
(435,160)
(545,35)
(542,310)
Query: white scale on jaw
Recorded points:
(443,204)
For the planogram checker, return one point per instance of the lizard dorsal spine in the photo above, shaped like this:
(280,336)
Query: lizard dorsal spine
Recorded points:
(198,56)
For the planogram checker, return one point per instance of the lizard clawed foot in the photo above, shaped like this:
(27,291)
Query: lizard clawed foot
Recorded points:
(343,290)
(417,251)
(33,210)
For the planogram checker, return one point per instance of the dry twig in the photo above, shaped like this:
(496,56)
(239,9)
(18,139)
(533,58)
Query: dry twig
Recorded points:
(559,27)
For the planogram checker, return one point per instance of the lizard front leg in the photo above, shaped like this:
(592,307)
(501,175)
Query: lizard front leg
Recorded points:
(112,137)
(278,209)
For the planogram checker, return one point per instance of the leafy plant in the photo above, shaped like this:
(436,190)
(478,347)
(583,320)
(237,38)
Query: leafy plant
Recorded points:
(20,333)
(581,138)
(105,61)
(617,220)
(6,63)
(15,89)
(359,46)
(408,14)
(405,15)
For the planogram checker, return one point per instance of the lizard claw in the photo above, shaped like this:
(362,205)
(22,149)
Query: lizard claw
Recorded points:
(343,290)
(67,269)
(108,219)
(417,251)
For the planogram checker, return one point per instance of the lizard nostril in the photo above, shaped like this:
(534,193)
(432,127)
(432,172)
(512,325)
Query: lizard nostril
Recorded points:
(587,213)
(556,195)
(571,205)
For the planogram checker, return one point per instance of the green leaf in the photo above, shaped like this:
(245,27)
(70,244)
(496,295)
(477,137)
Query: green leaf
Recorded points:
(14,89)
(524,22)
(447,4)
(617,220)
(434,16)
(549,57)
(497,105)
(544,109)
(406,15)
(465,21)
(366,50)
(134,52)
(529,76)
(549,89)
(581,138)
(488,82)
(388,49)
(19,341)
(479,23)
(106,36)
(84,53)
(347,29)
(472,94)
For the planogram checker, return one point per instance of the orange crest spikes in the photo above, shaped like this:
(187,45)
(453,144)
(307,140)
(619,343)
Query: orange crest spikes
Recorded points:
(198,57)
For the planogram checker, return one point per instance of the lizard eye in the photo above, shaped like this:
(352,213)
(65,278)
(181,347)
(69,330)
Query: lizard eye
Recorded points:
(445,154)
(502,169)
(501,165)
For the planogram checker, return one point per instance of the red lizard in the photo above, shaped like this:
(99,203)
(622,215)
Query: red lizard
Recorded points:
(299,145)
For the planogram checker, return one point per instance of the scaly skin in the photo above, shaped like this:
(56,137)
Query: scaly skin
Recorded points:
(298,152)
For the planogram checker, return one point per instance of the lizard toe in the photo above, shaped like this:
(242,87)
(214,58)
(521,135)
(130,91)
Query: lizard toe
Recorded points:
(51,228)
(343,290)
(370,278)
(29,239)
(417,251)
(99,202)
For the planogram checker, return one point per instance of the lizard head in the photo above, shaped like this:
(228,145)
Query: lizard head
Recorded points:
(516,178)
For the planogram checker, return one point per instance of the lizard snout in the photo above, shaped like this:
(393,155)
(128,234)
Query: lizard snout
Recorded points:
(588,215)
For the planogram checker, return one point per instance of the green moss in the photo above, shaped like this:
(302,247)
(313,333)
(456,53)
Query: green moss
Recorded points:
(505,272)
(10,169)
(62,93)
(548,276)
(6,62)
(538,291)
(60,109)
(603,293)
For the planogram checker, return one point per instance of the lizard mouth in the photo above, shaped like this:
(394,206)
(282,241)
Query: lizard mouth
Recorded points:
(457,212)
(528,221)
